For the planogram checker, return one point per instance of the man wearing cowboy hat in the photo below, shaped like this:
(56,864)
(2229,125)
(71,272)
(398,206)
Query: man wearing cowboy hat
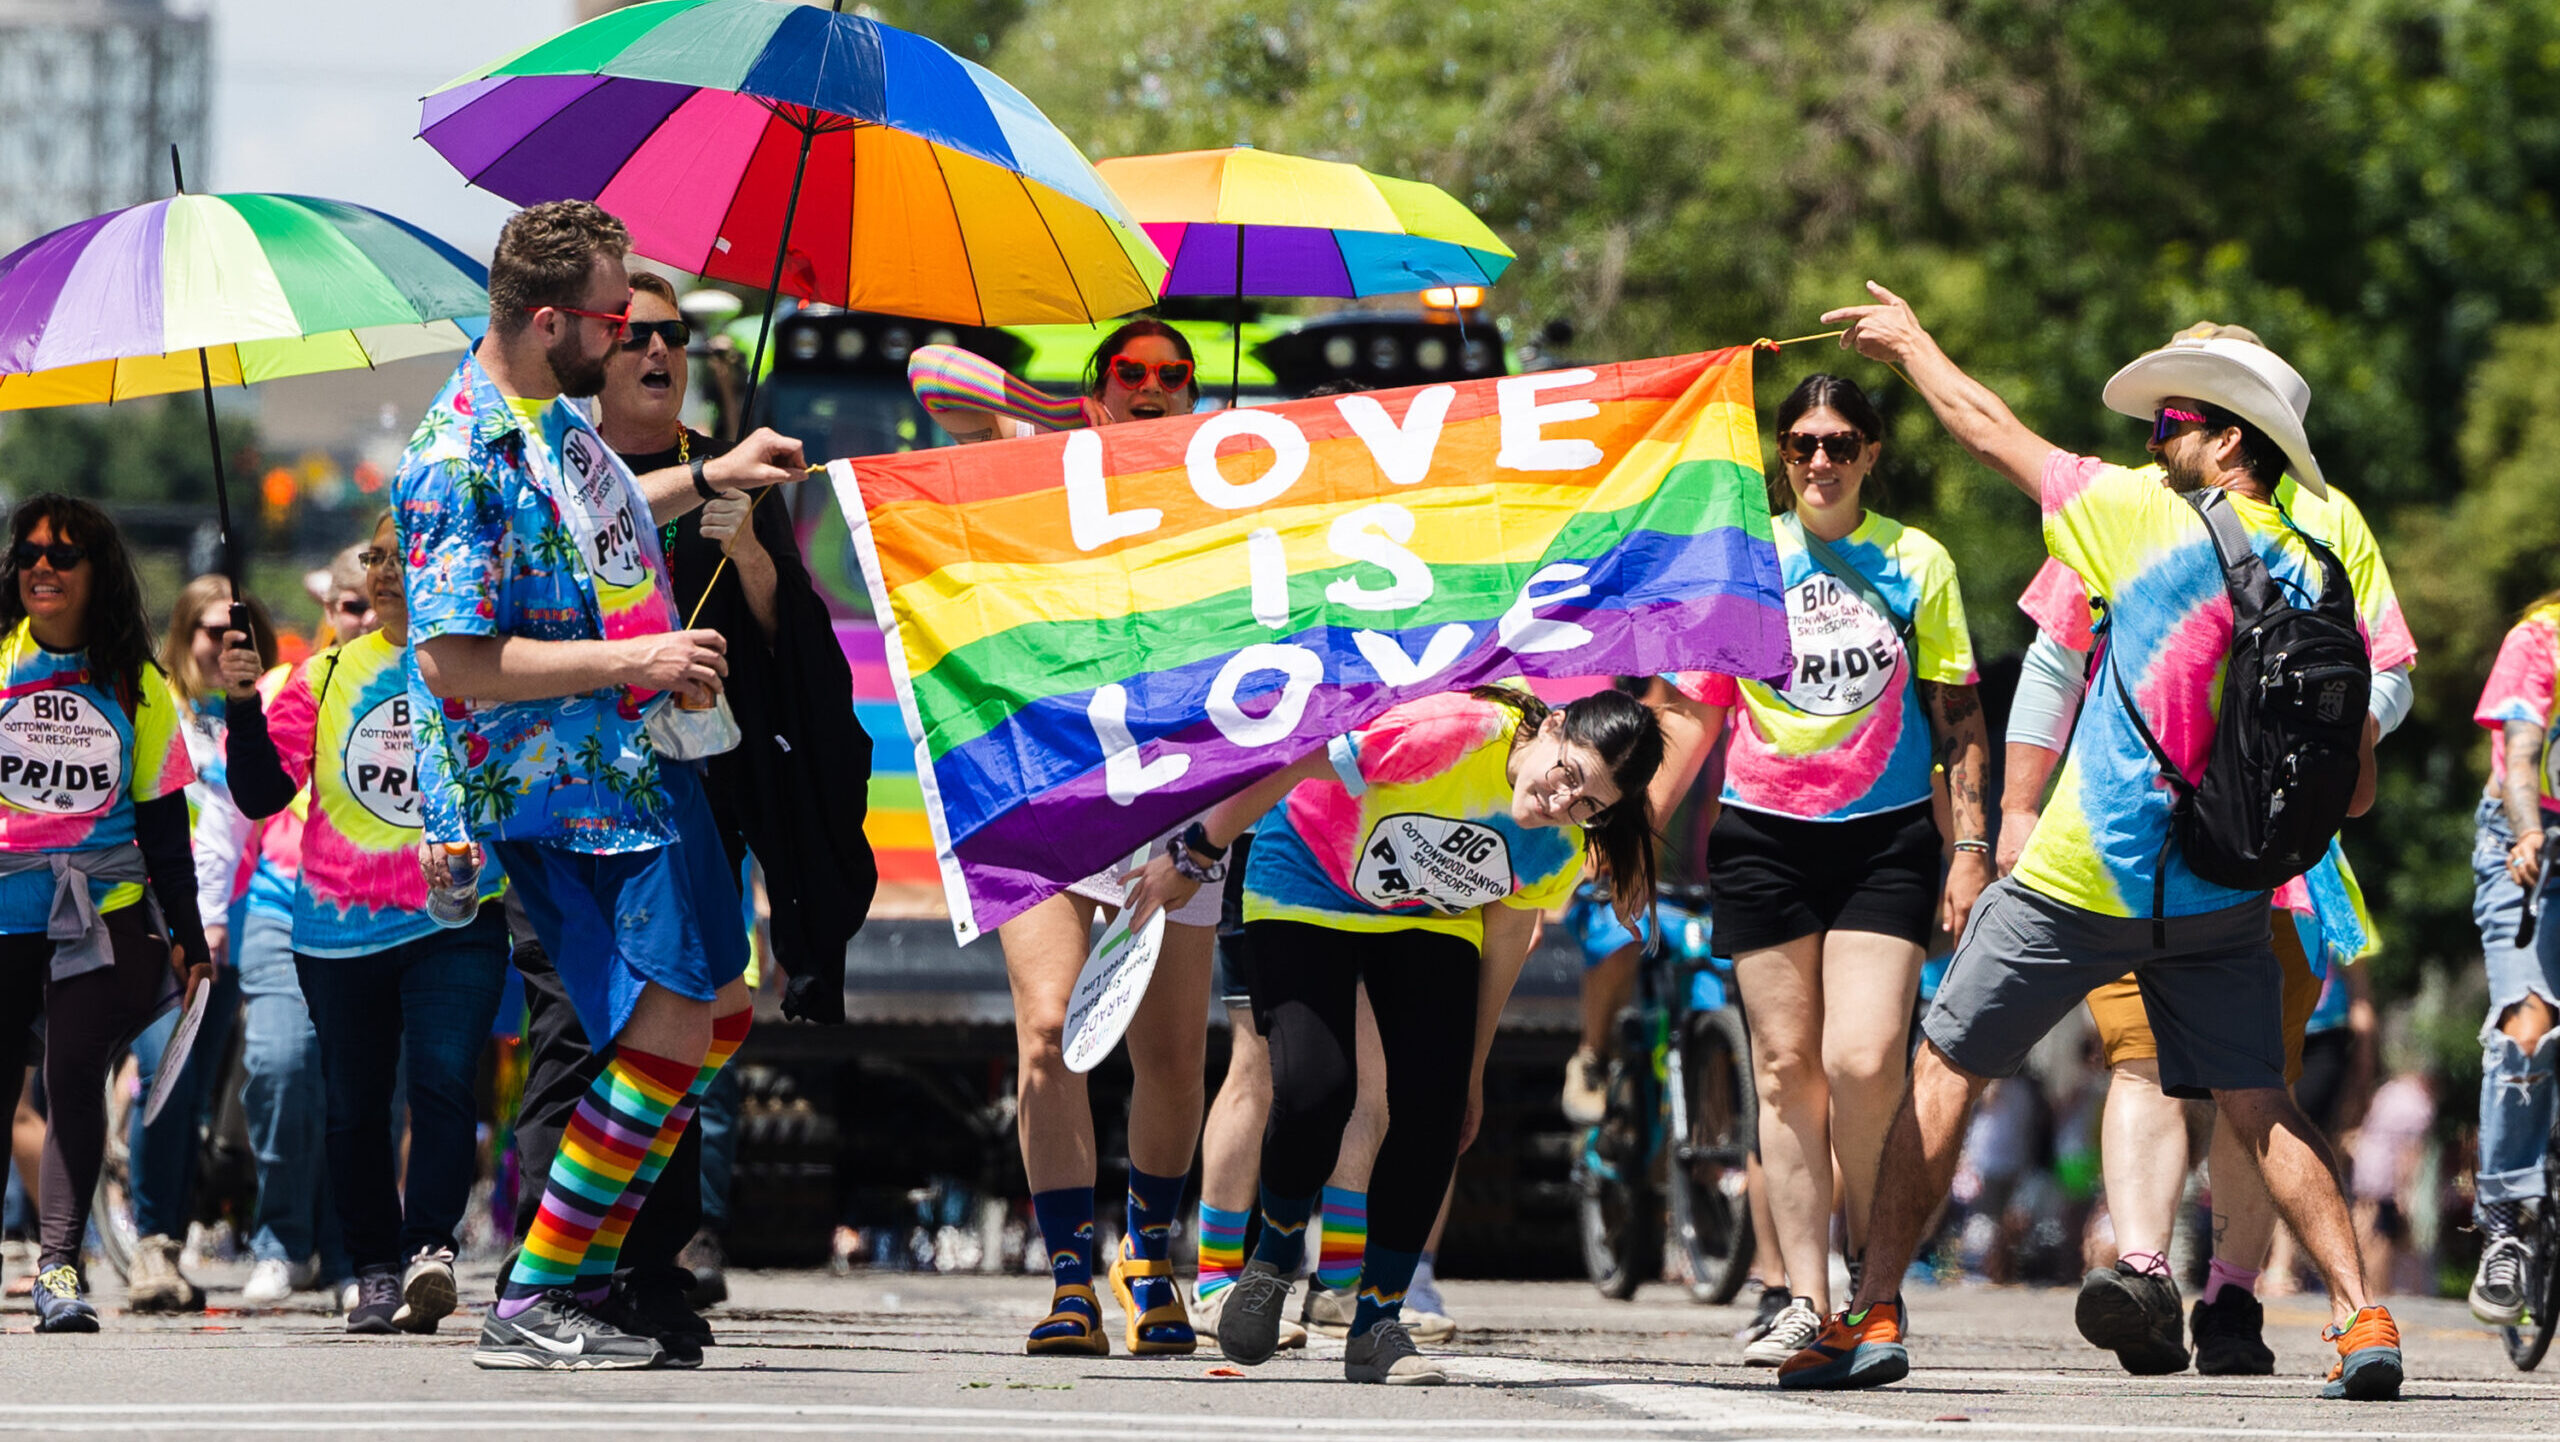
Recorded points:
(2132,1306)
(2225,414)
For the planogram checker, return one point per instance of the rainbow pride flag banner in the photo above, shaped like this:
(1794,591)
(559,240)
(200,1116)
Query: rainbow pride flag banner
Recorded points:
(1096,634)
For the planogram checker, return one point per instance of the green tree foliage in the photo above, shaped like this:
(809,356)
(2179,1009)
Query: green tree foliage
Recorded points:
(2056,185)
(143,452)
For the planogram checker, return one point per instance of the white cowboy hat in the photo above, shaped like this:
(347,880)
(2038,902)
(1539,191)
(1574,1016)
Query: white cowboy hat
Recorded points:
(2250,381)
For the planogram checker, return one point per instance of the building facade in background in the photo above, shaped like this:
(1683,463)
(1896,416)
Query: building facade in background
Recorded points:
(92,95)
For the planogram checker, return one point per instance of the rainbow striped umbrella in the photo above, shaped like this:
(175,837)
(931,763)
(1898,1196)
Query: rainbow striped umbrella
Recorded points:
(262,286)
(828,155)
(206,290)
(1257,222)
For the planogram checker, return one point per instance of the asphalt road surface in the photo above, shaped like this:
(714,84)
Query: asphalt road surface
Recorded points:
(893,1356)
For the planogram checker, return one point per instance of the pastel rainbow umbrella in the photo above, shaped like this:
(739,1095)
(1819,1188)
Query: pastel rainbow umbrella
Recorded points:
(1241,221)
(827,155)
(203,290)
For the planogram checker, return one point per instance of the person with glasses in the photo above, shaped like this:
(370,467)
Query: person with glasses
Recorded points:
(798,803)
(1823,864)
(391,992)
(2103,887)
(1141,371)
(99,927)
(1413,855)
(2318,921)
(546,633)
(345,613)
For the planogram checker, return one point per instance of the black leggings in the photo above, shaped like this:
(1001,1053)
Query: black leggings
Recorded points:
(1422,988)
(88,1020)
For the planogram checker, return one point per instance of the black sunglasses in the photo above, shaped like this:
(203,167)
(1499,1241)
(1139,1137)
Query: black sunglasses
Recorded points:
(1842,447)
(62,554)
(675,333)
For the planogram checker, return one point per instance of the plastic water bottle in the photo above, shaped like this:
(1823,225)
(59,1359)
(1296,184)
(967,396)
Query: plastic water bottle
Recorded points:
(457,901)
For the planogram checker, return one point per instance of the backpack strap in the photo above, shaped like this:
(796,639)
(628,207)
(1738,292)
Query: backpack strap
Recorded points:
(2177,783)
(1857,582)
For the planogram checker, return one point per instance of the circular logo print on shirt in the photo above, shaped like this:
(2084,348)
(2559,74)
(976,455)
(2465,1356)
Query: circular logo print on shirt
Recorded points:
(1846,654)
(616,557)
(59,754)
(380,764)
(1456,866)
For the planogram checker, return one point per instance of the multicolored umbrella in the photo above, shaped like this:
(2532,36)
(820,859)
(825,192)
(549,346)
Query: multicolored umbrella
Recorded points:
(1246,222)
(206,290)
(264,286)
(1258,222)
(828,155)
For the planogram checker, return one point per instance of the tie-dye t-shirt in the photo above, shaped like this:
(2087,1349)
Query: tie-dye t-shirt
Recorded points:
(1848,736)
(1413,832)
(2144,551)
(74,758)
(2059,605)
(517,527)
(342,725)
(2521,689)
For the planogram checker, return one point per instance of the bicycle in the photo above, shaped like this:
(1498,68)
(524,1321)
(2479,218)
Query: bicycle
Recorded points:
(1668,1161)
(2530,1338)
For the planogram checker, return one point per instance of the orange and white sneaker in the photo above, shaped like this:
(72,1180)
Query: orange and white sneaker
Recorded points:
(2368,1367)
(1853,1349)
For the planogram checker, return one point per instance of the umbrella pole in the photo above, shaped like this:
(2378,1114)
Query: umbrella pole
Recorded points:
(773,287)
(212,431)
(1235,352)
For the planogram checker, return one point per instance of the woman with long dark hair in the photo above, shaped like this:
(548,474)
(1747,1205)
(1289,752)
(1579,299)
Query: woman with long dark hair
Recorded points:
(93,762)
(1140,371)
(1414,856)
(1824,862)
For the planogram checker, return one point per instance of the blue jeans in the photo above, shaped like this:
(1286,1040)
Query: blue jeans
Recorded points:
(717,1117)
(164,1153)
(287,1110)
(428,1003)
(2517,1088)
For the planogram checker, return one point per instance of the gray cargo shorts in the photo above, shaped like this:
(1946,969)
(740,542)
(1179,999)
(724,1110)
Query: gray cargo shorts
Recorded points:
(2215,993)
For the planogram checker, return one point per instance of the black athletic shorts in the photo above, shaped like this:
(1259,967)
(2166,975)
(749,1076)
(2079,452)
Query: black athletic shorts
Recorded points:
(1775,878)
(1235,953)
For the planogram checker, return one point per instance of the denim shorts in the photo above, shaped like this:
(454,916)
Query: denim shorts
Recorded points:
(2497,905)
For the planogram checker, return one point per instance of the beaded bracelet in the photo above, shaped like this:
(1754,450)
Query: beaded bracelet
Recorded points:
(1190,867)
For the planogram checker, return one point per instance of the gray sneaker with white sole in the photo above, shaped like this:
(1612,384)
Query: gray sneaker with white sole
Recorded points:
(1385,1353)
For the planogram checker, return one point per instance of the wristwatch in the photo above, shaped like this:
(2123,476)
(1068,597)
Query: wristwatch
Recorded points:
(702,483)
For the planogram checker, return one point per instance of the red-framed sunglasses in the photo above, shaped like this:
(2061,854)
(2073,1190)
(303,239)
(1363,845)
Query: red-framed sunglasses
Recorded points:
(2165,423)
(1130,371)
(621,318)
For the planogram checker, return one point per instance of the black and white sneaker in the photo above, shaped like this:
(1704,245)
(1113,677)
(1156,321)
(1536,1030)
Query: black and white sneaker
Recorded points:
(558,1334)
(2497,1294)
(1773,1301)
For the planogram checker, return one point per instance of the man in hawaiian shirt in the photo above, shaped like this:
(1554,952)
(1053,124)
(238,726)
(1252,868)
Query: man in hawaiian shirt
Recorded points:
(544,631)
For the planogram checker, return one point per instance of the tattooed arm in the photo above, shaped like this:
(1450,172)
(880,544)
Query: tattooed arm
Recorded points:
(1964,750)
(2523,799)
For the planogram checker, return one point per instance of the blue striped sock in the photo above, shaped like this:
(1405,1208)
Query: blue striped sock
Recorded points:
(1283,1243)
(1383,1281)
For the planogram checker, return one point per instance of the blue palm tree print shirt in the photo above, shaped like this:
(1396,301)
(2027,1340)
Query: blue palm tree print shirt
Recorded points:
(492,547)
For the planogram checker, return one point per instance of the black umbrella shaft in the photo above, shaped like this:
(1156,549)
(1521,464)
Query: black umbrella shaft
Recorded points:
(221,485)
(773,287)
(1235,351)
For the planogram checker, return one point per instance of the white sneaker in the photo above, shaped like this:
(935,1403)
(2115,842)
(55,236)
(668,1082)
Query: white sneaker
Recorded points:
(1204,1320)
(270,1282)
(1433,1328)
(1794,1331)
(1586,1088)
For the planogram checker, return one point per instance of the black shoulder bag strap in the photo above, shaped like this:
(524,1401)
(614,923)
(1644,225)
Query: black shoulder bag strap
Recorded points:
(1858,584)
(2231,548)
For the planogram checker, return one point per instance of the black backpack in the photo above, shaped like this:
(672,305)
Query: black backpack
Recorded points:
(2286,750)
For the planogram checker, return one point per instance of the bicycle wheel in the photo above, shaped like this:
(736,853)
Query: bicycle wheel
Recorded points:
(1621,1221)
(1714,1110)
(2530,1338)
